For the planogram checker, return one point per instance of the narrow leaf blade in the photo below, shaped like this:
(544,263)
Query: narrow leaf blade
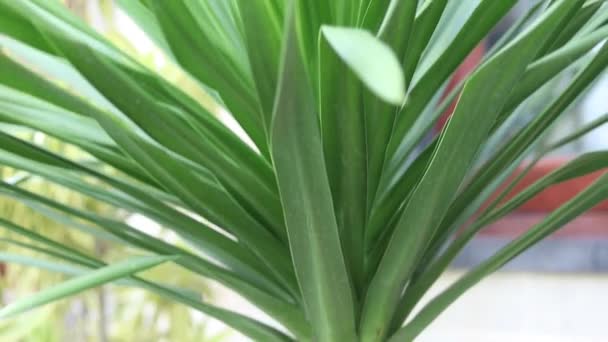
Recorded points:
(81,283)
(306,198)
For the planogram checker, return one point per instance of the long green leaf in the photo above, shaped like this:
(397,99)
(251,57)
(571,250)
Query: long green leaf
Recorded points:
(577,23)
(52,17)
(81,283)
(284,312)
(583,165)
(550,65)
(525,138)
(396,175)
(372,15)
(263,30)
(224,74)
(41,264)
(343,135)
(15,26)
(457,148)
(396,32)
(173,132)
(425,24)
(204,238)
(481,21)
(306,197)
(587,199)
(241,323)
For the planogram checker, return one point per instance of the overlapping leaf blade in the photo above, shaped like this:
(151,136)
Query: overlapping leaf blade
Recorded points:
(297,153)
(457,148)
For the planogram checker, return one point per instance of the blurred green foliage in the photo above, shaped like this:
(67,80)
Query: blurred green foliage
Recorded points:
(129,314)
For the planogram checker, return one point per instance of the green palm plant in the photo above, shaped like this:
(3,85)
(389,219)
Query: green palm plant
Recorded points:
(329,215)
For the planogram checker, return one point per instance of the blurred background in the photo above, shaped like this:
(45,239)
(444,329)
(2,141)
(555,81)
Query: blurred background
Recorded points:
(557,291)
